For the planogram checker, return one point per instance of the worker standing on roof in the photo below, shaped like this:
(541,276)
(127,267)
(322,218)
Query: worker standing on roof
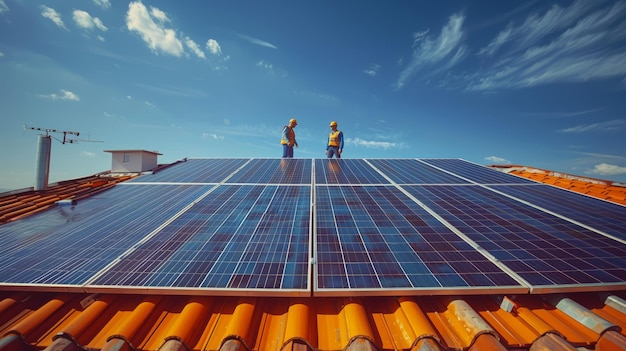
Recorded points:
(288,138)
(334,147)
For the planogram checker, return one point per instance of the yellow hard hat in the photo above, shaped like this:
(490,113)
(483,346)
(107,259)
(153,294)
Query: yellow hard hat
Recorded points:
(293,120)
(333,123)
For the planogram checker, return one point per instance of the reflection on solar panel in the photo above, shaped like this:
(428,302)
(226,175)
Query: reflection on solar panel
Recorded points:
(322,227)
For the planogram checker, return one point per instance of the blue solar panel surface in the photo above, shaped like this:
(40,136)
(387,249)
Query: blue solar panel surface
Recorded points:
(377,238)
(543,249)
(476,173)
(411,171)
(605,216)
(346,171)
(326,227)
(195,171)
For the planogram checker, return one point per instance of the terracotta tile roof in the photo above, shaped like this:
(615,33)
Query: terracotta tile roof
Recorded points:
(80,321)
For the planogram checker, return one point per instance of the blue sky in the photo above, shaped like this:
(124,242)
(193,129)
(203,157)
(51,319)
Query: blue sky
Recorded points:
(535,83)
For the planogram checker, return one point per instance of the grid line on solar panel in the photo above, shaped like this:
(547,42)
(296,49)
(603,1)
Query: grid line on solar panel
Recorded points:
(87,237)
(545,250)
(274,171)
(604,216)
(346,171)
(475,173)
(376,238)
(194,171)
(411,171)
(240,237)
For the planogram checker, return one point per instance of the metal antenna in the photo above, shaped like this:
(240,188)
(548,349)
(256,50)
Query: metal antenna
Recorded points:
(43,153)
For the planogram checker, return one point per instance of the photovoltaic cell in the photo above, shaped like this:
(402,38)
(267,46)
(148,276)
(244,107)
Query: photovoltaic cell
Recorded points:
(476,173)
(411,171)
(544,250)
(69,245)
(240,237)
(274,171)
(605,216)
(376,238)
(194,171)
(346,171)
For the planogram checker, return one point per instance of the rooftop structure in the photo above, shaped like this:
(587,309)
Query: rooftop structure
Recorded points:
(321,254)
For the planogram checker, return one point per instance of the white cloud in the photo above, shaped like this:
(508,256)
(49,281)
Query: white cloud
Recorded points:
(374,144)
(608,126)
(194,48)
(212,136)
(150,27)
(1,54)
(257,41)
(84,20)
(497,160)
(214,47)
(105,4)
(3,7)
(576,43)
(65,95)
(372,70)
(605,169)
(88,154)
(435,54)
(52,15)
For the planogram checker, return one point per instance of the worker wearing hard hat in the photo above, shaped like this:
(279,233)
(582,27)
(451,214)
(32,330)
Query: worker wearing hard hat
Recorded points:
(288,138)
(334,147)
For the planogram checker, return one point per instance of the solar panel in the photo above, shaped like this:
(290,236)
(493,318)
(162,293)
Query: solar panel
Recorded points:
(602,215)
(327,227)
(411,171)
(194,171)
(545,250)
(67,246)
(376,238)
(346,171)
(476,173)
(274,171)
(239,237)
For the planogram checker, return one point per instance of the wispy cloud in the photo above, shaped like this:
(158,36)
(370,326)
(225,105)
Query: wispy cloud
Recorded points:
(372,70)
(52,15)
(105,4)
(497,160)
(65,95)
(434,55)
(212,136)
(257,41)
(3,7)
(84,20)
(194,47)
(375,144)
(608,126)
(565,44)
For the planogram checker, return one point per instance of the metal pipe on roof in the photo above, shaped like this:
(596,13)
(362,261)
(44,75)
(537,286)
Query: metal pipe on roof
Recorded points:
(43,162)
(582,315)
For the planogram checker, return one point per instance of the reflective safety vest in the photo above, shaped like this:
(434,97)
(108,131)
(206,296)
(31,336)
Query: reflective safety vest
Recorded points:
(333,138)
(289,134)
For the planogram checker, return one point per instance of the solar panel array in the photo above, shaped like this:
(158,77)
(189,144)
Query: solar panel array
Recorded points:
(285,227)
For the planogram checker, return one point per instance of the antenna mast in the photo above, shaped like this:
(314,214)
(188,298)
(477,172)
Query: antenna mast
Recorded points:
(44,146)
